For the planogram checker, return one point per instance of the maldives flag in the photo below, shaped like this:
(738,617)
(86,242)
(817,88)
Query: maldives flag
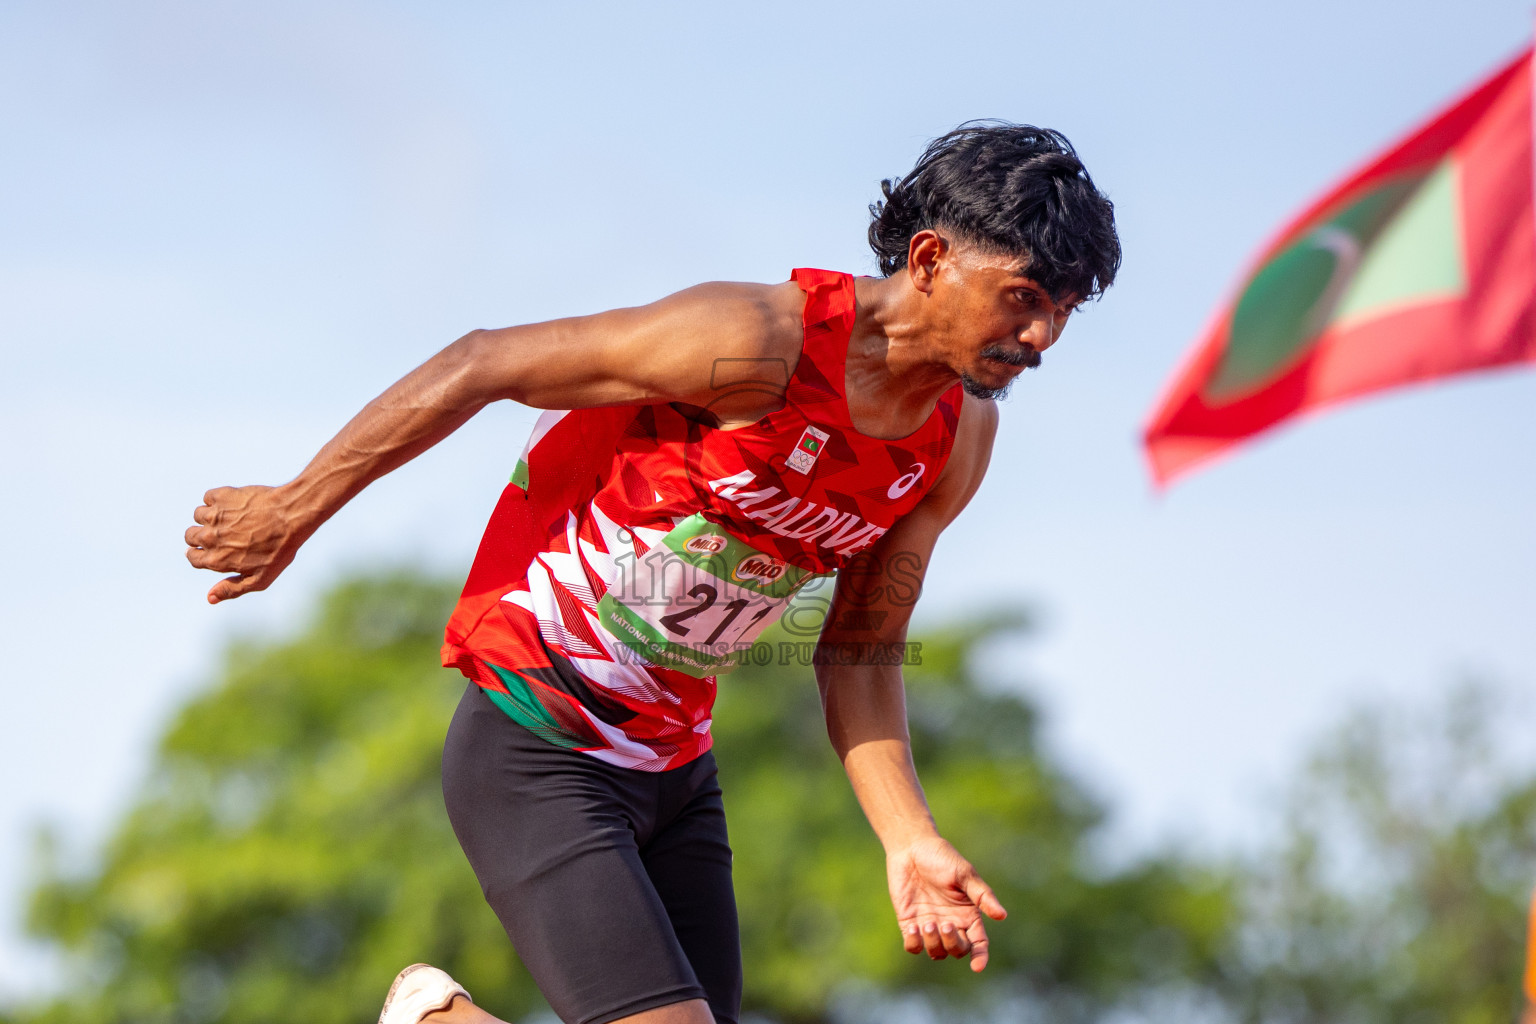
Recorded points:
(1421,265)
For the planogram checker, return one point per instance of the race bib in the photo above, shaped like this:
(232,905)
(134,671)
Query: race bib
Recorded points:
(697,600)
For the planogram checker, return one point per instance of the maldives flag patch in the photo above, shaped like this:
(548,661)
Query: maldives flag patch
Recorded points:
(806,451)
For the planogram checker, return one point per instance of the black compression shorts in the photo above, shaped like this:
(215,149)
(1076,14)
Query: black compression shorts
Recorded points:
(614,885)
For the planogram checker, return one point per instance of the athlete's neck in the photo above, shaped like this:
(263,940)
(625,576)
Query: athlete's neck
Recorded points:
(893,376)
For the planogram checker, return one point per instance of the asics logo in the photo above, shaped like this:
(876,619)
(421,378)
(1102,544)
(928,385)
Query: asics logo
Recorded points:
(905,482)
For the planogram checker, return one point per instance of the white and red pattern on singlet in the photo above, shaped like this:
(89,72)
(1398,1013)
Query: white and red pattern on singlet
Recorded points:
(637,551)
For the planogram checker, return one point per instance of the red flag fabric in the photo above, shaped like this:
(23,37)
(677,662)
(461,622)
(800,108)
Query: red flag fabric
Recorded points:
(1420,265)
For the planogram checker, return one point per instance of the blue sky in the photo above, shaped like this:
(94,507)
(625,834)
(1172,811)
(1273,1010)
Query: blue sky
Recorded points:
(224,227)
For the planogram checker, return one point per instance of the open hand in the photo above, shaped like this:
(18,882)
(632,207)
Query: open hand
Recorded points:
(940,900)
(243,530)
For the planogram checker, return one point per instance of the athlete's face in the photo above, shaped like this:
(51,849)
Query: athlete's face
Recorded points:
(988,319)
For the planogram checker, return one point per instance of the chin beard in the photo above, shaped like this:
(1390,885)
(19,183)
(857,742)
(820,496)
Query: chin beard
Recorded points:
(1027,358)
(976,389)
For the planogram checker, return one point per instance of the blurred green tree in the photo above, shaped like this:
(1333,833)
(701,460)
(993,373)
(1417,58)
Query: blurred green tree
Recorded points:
(1081,938)
(1399,888)
(290,851)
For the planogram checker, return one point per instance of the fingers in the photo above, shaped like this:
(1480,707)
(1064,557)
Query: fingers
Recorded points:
(933,942)
(923,937)
(242,531)
(943,905)
(207,514)
(234,586)
(202,536)
(984,898)
(939,939)
(977,933)
(956,943)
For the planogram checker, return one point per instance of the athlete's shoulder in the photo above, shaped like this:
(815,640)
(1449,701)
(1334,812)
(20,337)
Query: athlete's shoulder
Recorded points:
(974,434)
(742,319)
(968,459)
(728,347)
(978,419)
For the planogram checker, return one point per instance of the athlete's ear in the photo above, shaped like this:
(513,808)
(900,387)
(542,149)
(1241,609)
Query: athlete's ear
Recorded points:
(925,251)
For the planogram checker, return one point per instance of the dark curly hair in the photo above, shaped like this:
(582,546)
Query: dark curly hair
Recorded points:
(1011,187)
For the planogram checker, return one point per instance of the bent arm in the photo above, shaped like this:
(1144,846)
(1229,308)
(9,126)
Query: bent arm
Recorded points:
(657,353)
(256,531)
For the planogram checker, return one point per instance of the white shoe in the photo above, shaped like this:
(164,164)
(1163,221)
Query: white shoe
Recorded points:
(418,990)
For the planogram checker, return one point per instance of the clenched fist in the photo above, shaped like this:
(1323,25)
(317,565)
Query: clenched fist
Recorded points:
(249,531)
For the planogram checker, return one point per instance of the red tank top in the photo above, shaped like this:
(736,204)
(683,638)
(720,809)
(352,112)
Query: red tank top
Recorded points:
(637,552)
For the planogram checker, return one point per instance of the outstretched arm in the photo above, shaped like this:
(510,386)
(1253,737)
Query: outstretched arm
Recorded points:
(657,353)
(938,897)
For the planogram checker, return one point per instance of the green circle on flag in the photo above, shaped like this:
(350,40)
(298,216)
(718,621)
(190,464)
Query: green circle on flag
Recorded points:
(1276,317)
(1292,297)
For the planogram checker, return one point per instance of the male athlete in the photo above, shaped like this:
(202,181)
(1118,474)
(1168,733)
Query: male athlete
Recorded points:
(721,449)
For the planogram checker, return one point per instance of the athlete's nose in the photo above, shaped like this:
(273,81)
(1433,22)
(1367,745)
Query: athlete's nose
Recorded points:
(1040,332)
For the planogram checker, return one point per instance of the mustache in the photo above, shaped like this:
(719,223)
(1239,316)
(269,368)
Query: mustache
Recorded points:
(1024,356)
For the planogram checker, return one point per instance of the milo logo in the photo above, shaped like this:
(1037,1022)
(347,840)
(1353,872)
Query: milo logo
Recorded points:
(705,544)
(758,568)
